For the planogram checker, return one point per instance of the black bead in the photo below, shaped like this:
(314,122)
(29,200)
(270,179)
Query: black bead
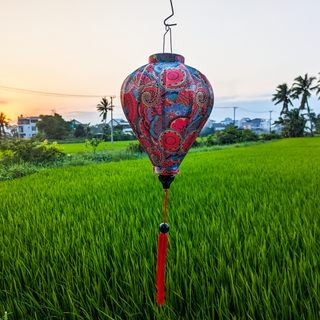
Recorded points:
(164,227)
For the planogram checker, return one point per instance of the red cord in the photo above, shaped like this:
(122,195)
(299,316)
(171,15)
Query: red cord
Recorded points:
(165,206)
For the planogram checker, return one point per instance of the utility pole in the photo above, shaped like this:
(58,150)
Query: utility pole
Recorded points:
(111,107)
(270,120)
(234,115)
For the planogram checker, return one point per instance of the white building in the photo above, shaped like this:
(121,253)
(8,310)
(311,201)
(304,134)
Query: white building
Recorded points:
(258,125)
(228,121)
(211,126)
(27,126)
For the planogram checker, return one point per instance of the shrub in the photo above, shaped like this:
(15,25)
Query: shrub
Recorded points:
(26,150)
(38,137)
(135,148)
(17,170)
(212,141)
(229,135)
(97,158)
(249,135)
(270,136)
(94,143)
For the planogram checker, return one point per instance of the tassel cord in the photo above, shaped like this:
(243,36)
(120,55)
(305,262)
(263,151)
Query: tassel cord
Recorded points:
(165,206)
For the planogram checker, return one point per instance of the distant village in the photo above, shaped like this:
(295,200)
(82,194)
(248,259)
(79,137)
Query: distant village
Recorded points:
(26,126)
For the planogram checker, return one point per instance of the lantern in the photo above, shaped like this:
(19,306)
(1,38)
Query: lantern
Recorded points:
(167,103)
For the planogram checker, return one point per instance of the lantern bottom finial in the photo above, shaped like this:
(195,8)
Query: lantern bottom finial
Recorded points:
(166,180)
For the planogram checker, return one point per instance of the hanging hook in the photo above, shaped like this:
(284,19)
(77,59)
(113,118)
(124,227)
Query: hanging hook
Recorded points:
(168,28)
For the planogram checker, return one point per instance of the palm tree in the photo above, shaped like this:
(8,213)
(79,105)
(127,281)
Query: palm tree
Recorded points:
(293,124)
(4,122)
(103,108)
(317,87)
(283,95)
(302,87)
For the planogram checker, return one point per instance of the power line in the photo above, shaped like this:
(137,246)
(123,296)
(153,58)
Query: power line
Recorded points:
(242,109)
(51,94)
(253,111)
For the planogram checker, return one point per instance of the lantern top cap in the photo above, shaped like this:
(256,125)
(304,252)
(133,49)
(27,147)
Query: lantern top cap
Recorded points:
(166,57)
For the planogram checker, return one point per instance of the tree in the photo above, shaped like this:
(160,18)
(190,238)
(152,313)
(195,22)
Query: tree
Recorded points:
(207,131)
(229,135)
(283,95)
(4,122)
(318,88)
(106,130)
(55,127)
(103,108)
(317,124)
(40,136)
(14,131)
(94,143)
(79,132)
(293,124)
(302,87)
(88,131)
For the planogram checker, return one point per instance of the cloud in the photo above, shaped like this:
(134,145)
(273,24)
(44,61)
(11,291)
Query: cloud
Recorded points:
(3,102)
(235,99)
(78,112)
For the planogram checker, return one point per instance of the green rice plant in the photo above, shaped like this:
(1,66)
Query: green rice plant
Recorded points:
(81,242)
(78,147)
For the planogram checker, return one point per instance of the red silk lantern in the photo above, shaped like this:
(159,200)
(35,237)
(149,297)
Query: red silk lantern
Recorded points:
(167,103)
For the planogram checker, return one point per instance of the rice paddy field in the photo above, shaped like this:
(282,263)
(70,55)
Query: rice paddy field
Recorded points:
(79,147)
(244,240)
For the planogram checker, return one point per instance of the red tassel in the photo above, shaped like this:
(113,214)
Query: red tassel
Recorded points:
(162,252)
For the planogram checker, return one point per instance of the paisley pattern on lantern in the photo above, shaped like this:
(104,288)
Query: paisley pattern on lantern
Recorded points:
(166,103)
(188,141)
(155,155)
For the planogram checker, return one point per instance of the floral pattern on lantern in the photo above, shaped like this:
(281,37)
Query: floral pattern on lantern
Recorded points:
(166,103)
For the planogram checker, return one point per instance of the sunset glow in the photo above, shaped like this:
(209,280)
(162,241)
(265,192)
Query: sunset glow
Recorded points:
(239,46)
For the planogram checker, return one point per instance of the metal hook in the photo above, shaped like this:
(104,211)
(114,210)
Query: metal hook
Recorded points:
(168,28)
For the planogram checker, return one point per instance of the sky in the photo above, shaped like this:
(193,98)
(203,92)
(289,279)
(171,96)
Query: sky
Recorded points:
(88,47)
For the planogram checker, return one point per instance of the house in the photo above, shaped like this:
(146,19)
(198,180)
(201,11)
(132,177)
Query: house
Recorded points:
(211,126)
(228,121)
(218,126)
(75,123)
(257,125)
(125,126)
(27,126)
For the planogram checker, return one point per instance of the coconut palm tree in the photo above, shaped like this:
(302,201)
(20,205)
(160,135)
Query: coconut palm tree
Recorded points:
(283,95)
(303,87)
(103,108)
(4,122)
(318,88)
(293,124)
